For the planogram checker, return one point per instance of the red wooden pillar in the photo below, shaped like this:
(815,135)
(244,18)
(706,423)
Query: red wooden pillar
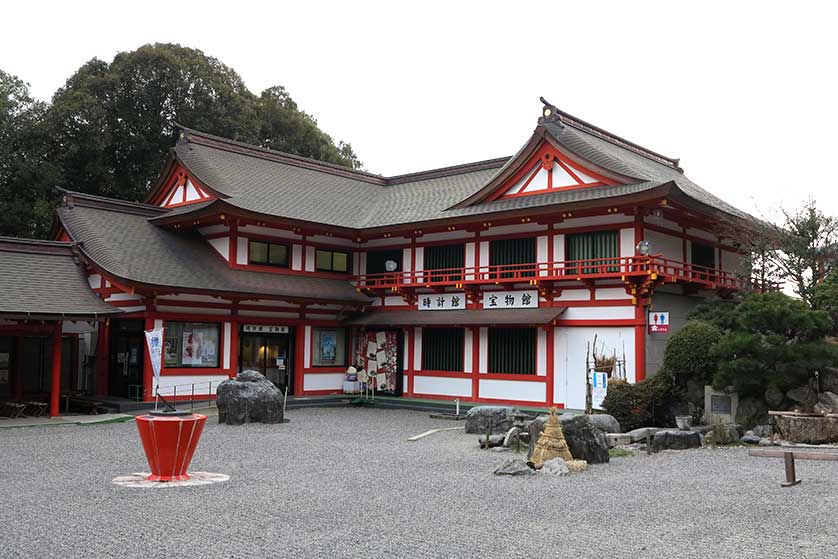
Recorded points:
(18,380)
(475,363)
(55,391)
(102,357)
(299,360)
(639,342)
(234,349)
(550,361)
(148,371)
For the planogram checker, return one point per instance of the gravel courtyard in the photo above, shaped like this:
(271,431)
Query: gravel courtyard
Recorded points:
(338,482)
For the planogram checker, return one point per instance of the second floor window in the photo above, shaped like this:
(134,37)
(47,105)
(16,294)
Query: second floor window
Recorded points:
(514,258)
(450,258)
(703,255)
(332,261)
(592,248)
(271,254)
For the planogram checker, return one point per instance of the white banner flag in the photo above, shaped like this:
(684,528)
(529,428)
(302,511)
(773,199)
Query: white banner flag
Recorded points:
(154,338)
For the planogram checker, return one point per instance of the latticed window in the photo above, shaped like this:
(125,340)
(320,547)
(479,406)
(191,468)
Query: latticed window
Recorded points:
(512,350)
(515,256)
(591,248)
(442,349)
(450,258)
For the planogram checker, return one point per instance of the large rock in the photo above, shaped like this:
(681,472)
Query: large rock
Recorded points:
(829,380)
(827,403)
(675,439)
(514,467)
(725,433)
(807,429)
(555,466)
(774,396)
(584,440)
(482,419)
(248,398)
(751,411)
(606,423)
(804,397)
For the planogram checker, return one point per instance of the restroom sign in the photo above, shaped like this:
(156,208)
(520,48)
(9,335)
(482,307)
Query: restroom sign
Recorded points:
(658,322)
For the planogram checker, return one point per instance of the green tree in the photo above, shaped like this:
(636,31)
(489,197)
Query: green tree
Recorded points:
(688,354)
(826,298)
(26,173)
(777,340)
(113,123)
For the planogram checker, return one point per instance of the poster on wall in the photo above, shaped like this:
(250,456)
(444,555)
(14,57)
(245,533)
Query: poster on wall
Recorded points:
(192,350)
(328,346)
(170,352)
(377,353)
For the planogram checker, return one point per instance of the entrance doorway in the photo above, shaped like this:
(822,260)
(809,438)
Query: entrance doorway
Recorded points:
(126,360)
(270,353)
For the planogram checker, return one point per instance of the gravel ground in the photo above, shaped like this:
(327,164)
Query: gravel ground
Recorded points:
(340,482)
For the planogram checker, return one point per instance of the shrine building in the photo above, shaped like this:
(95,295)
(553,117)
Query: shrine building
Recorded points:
(495,281)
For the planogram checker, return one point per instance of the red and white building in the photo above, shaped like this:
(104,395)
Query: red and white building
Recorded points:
(480,282)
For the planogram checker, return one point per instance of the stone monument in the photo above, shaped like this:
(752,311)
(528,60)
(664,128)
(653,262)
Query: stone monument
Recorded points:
(249,398)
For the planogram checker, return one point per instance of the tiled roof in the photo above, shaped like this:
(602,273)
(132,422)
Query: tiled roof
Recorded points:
(43,280)
(275,184)
(121,240)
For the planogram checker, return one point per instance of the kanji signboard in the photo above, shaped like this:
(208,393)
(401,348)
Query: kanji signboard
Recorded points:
(510,299)
(658,322)
(442,302)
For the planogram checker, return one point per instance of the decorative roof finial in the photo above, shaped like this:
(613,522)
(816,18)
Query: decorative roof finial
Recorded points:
(549,113)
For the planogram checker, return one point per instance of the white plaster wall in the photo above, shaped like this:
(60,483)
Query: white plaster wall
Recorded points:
(222,245)
(296,257)
(340,241)
(541,255)
(612,293)
(701,234)
(569,358)
(512,229)
(574,295)
(733,262)
(598,313)
(670,246)
(627,242)
(307,347)
(613,219)
(468,350)
(484,254)
(513,390)
(483,350)
(442,386)
(310,259)
(469,259)
(241,251)
(406,263)
(387,242)
(417,349)
(268,232)
(541,352)
(95,281)
(191,310)
(446,236)
(558,248)
(227,336)
(323,381)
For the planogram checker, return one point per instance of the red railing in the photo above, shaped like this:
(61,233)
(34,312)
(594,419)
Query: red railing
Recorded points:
(599,268)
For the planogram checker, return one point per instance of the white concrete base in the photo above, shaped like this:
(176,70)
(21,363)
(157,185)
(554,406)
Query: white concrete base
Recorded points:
(195,478)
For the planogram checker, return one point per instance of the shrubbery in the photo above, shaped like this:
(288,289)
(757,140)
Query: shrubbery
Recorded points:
(688,354)
(647,403)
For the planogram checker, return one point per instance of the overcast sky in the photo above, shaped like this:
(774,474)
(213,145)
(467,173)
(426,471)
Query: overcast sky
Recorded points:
(743,92)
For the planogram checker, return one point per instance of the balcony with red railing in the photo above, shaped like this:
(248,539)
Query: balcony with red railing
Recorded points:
(633,269)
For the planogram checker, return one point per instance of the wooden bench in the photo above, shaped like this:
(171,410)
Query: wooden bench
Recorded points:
(791,453)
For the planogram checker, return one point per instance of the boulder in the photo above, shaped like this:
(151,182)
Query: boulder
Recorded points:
(584,440)
(248,398)
(803,396)
(829,380)
(494,441)
(807,429)
(827,403)
(482,419)
(675,439)
(606,423)
(514,467)
(639,435)
(750,439)
(774,396)
(751,411)
(724,433)
(763,430)
(556,467)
